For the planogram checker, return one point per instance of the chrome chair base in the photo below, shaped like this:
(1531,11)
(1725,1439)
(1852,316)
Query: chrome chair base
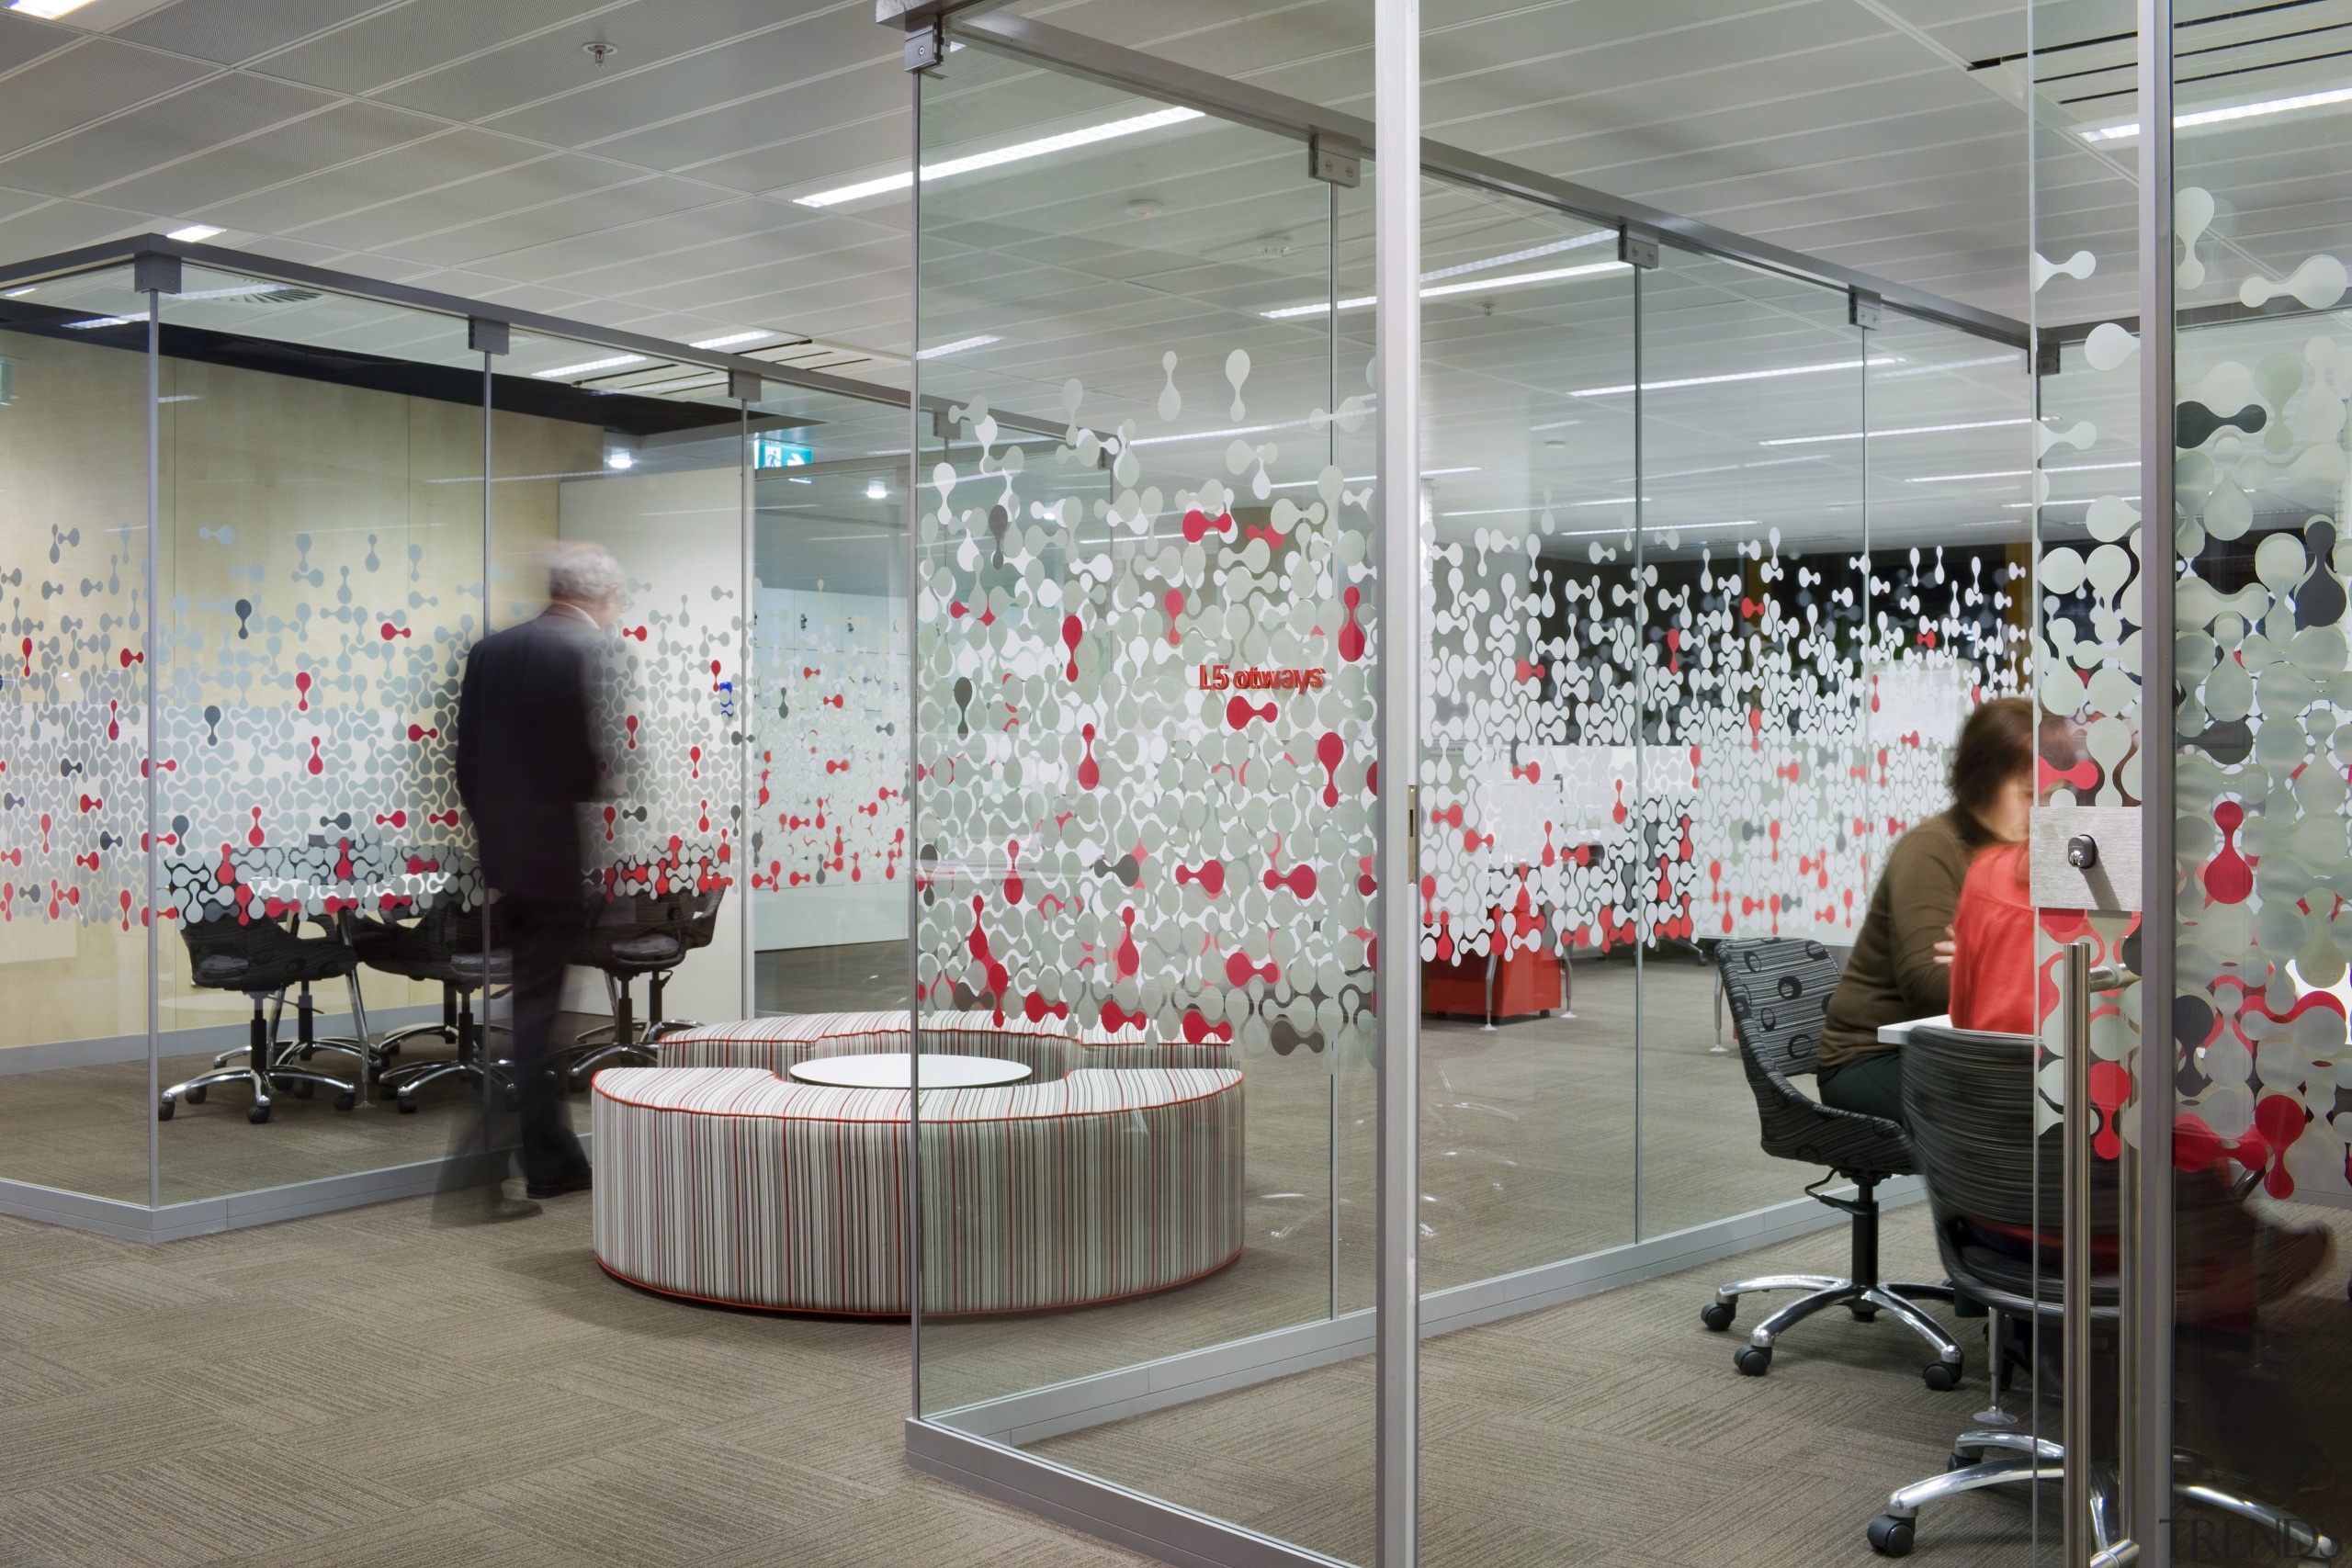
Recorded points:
(303,1080)
(1899,1299)
(2029,1459)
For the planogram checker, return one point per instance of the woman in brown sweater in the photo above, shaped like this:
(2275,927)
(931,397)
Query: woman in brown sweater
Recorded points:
(1896,972)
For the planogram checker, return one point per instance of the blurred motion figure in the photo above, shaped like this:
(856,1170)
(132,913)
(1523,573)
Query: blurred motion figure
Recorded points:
(526,758)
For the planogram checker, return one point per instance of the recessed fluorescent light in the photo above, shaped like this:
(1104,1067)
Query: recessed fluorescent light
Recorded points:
(1905,430)
(46,9)
(2020,473)
(1015,154)
(2131,132)
(959,345)
(731,339)
(620,460)
(194,232)
(1476,286)
(615,363)
(1530,255)
(1739,376)
(86,323)
(877,490)
(19,293)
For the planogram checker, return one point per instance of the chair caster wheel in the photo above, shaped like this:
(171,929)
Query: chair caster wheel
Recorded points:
(303,1090)
(1864,1313)
(1942,1375)
(1753,1359)
(346,1101)
(1961,1458)
(196,1096)
(1718,1315)
(257,1115)
(164,1109)
(406,1104)
(1889,1536)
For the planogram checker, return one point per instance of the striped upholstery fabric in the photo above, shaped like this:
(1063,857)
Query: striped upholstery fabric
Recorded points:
(1048,1049)
(776,1044)
(730,1184)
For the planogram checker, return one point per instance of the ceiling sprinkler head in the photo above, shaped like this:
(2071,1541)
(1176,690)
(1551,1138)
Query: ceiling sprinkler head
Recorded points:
(599,50)
(1146,206)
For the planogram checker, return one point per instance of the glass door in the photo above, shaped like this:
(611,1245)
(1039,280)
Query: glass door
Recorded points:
(2260,1206)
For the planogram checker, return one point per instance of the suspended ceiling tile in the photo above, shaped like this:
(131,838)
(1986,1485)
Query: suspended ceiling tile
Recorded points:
(203,116)
(25,39)
(351,130)
(63,226)
(576,223)
(673,235)
(400,173)
(528,184)
(73,86)
(422,36)
(768,63)
(232,30)
(792,116)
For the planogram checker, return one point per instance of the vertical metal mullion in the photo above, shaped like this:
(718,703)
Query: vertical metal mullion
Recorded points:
(1640,716)
(489,944)
(914,770)
(1398,246)
(2146,1321)
(1331,458)
(747,683)
(153,781)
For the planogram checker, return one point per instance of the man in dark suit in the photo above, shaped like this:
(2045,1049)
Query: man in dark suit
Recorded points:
(527,760)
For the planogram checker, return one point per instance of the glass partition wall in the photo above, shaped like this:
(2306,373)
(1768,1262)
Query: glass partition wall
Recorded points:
(1716,561)
(323,536)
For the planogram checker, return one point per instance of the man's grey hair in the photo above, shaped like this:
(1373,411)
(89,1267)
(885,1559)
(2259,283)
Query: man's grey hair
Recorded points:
(583,573)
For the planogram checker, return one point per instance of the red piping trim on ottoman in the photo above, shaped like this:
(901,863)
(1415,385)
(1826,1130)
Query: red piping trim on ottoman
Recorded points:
(1226,1262)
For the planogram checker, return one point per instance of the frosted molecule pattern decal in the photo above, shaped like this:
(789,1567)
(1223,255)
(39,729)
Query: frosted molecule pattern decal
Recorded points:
(307,714)
(670,721)
(1101,837)
(1694,748)
(73,809)
(2266,680)
(831,772)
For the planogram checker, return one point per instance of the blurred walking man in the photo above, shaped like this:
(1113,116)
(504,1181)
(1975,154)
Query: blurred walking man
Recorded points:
(526,758)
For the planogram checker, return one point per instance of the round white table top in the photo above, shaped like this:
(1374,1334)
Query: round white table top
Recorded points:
(889,1069)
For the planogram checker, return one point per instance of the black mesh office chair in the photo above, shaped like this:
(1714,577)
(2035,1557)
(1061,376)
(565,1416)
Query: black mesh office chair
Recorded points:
(443,944)
(263,959)
(1778,990)
(644,933)
(1969,1100)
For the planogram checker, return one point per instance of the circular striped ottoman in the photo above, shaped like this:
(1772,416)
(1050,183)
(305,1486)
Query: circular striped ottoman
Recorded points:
(721,1180)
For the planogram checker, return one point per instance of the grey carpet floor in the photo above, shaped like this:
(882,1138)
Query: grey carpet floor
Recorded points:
(376,1389)
(384,1387)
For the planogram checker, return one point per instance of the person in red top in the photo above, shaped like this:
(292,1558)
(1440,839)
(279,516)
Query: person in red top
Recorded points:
(1993,946)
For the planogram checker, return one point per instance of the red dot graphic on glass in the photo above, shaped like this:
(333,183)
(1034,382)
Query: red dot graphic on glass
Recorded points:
(2228,878)
(1210,876)
(1239,711)
(1351,638)
(1089,773)
(1073,629)
(1330,751)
